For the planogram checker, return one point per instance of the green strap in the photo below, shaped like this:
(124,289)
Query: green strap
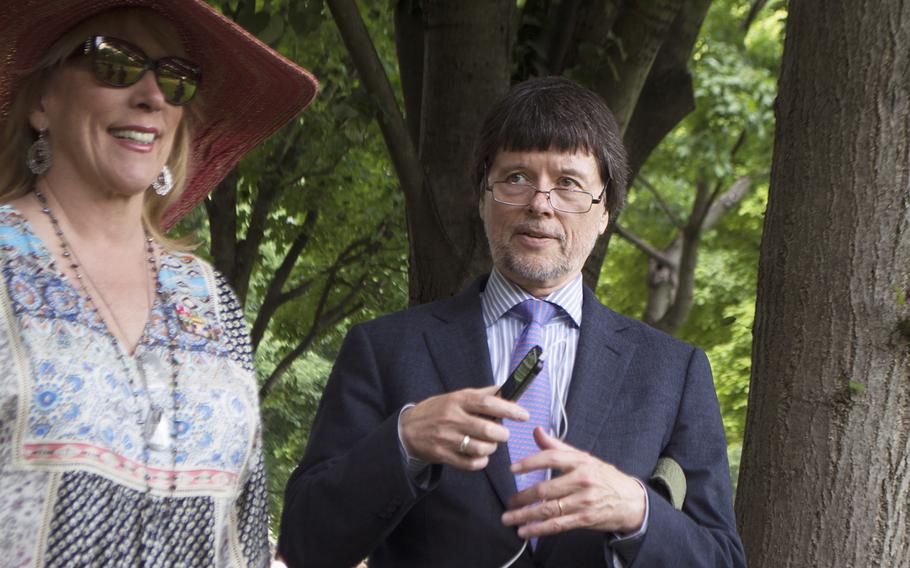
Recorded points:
(670,475)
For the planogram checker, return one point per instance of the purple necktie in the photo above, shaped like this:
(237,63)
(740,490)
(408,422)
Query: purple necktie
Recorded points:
(536,399)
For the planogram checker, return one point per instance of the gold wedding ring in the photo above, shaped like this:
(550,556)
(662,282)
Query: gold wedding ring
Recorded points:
(559,506)
(463,446)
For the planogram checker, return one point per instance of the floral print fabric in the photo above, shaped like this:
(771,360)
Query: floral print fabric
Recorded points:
(74,470)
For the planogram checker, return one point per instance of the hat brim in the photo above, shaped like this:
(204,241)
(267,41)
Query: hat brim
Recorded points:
(248,90)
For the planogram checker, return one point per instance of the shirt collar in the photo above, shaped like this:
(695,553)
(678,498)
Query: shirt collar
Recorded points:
(501,294)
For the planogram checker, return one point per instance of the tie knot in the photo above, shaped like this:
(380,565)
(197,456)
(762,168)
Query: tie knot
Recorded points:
(535,311)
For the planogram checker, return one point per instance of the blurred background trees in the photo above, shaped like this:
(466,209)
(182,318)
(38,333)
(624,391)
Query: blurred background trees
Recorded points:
(362,205)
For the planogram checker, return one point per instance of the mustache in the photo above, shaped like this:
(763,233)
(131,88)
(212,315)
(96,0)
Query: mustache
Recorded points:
(540,230)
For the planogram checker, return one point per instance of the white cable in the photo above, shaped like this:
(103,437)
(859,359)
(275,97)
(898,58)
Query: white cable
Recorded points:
(517,556)
(561,431)
(562,425)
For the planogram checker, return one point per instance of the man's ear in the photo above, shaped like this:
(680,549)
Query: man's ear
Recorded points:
(480,206)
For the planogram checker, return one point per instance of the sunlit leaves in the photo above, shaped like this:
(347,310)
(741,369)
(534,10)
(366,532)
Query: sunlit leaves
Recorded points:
(735,85)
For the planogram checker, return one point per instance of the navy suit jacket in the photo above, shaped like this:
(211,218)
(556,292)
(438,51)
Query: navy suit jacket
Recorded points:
(636,394)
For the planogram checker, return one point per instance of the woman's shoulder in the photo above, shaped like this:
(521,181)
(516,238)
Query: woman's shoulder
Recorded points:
(188,271)
(16,234)
(10,216)
(205,302)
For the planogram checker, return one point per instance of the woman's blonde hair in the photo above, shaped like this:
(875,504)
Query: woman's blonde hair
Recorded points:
(17,134)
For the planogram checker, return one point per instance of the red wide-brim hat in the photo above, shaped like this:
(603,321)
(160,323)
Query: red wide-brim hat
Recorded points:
(248,89)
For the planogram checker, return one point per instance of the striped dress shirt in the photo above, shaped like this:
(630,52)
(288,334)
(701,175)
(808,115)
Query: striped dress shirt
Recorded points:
(560,345)
(559,348)
(560,334)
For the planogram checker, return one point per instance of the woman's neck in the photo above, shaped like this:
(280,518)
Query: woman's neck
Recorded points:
(93,215)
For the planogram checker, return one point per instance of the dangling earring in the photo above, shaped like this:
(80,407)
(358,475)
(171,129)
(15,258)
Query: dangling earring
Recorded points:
(164,183)
(39,158)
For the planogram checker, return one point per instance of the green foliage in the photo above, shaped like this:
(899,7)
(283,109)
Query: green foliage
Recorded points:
(286,419)
(338,173)
(735,83)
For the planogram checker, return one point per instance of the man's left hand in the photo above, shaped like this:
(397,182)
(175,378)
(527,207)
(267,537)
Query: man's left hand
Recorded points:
(590,494)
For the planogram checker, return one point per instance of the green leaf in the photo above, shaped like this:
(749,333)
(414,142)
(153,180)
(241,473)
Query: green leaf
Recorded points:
(857,387)
(305,17)
(901,295)
(273,31)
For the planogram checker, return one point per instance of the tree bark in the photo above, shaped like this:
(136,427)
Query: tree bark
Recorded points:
(467,61)
(409,40)
(661,103)
(465,49)
(640,30)
(826,458)
(391,122)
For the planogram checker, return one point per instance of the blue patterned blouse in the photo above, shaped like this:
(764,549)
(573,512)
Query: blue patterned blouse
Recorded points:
(73,464)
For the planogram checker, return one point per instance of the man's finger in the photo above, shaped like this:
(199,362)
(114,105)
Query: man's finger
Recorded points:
(549,459)
(537,512)
(548,442)
(550,526)
(484,402)
(552,489)
(484,430)
(467,463)
(475,447)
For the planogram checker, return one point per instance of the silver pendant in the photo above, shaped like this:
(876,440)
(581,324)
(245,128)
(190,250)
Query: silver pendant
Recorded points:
(155,431)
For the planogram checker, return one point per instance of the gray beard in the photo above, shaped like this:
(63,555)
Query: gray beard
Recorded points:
(532,271)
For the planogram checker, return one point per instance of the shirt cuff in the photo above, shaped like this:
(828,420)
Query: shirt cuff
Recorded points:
(619,537)
(415,467)
(614,538)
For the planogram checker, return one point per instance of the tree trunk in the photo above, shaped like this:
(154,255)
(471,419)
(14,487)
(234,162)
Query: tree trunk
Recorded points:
(826,458)
(640,31)
(467,59)
(665,98)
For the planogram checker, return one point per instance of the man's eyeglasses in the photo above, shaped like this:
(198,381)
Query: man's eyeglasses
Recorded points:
(567,200)
(120,64)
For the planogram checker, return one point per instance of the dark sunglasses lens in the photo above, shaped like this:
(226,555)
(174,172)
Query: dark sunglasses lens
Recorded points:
(117,65)
(178,80)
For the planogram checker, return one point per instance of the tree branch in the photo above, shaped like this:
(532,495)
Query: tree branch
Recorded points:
(561,31)
(729,199)
(667,97)
(409,38)
(324,171)
(221,208)
(322,319)
(677,222)
(643,246)
(272,300)
(391,123)
(641,30)
(703,212)
(698,224)
(756,7)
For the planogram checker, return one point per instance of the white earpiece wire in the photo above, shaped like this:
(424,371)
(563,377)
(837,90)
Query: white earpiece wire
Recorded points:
(560,431)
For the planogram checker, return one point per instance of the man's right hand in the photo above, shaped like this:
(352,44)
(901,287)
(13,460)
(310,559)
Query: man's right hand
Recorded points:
(435,429)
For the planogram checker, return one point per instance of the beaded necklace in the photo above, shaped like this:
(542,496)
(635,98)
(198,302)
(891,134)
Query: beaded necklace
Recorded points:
(154,428)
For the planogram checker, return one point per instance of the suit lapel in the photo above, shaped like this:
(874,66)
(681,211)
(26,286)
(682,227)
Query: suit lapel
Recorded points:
(600,364)
(462,358)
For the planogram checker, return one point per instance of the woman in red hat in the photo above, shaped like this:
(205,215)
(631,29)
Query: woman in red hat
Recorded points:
(129,423)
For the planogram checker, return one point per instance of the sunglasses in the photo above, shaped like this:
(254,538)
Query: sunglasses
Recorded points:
(120,64)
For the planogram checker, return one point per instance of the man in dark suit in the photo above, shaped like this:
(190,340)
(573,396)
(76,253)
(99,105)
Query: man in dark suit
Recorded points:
(413,460)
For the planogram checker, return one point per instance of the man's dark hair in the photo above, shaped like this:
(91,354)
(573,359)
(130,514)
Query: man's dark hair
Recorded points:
(557,113)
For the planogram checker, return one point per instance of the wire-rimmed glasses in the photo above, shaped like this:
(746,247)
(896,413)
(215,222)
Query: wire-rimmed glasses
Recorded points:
(567,200)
